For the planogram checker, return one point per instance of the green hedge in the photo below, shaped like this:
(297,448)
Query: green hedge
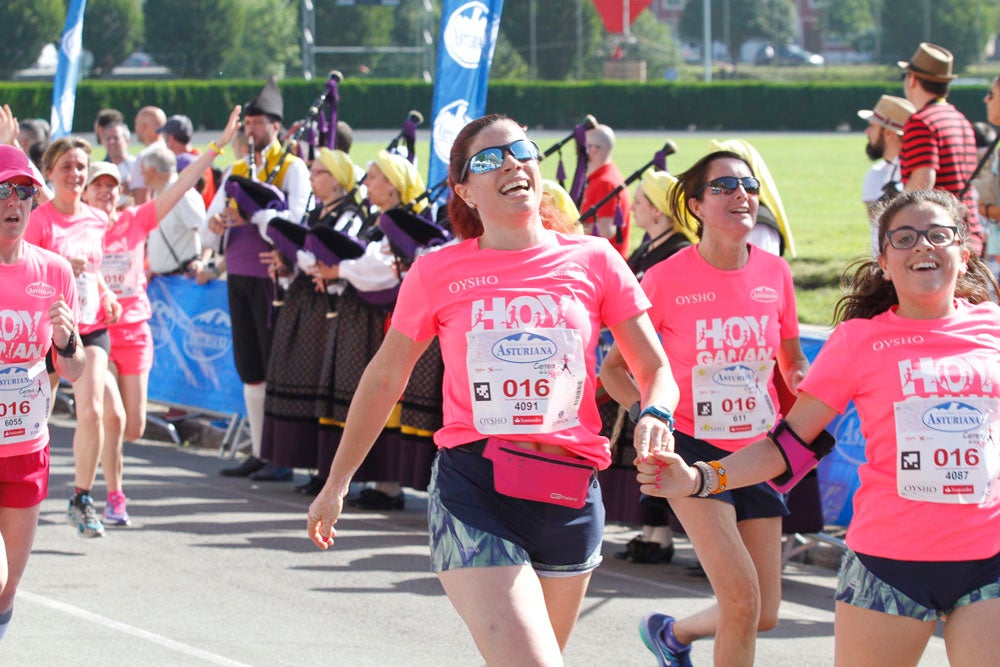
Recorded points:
(729,105)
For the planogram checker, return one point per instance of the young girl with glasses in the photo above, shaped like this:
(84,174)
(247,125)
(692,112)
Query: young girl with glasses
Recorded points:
(917,351)
(727,328)
(517,306)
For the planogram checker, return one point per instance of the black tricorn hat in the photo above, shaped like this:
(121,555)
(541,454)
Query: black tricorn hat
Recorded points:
(252,196)
(288,237)
(268,103)
(331,246)
(408,233)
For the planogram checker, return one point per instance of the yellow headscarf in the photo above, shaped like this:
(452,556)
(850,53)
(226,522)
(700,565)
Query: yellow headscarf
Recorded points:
(769,196)
(560,199)
(341,167)
(404,177)
(659,187)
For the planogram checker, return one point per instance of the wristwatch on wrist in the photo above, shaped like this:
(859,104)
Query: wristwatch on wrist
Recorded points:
(663,414)
(70,348)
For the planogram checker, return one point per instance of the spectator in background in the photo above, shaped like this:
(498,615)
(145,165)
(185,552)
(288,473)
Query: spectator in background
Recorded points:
(939,148)
(987,184)
(106,117)
(885,140)
(33,137)
(116,140)
(177,133)
(148,120)
(175,245)
(602,178)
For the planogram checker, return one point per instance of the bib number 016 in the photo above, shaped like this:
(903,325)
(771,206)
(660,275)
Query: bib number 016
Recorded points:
(526,388)
(14,408)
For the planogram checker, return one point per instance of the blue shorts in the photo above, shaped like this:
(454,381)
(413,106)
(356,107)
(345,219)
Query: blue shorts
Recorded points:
(471,525)
(924,590)
(759,501)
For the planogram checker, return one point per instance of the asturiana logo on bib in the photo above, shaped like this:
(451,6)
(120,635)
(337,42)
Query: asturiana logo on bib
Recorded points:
(14,377)
(465,35)
(40,290)
(210,335)
(524,348)
(953,417)
(737,375)
(764,294)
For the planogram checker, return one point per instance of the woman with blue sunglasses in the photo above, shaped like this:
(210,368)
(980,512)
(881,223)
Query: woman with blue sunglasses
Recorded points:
(515,510)
(727,328)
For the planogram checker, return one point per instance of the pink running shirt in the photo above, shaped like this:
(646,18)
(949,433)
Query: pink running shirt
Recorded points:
(79,236)
(30,288)
(880,362)
(123,265)
(563,288)
(710,318)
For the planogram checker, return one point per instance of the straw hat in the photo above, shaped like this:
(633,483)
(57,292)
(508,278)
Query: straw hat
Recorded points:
(891,113)
(931,63)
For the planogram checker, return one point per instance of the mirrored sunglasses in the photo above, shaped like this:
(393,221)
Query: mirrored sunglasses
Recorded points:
(23,191)
(904,238)
(725,185)
(490,159)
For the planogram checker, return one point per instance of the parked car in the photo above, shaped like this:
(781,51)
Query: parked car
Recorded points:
(787,55)
(140,65)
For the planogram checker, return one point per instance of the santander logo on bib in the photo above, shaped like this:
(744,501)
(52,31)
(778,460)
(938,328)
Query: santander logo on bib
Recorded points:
(764,294)
(524,348)
(40,290)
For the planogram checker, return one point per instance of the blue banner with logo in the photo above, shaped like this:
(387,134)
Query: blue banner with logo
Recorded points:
(68,70)
(192,334)
(465,52)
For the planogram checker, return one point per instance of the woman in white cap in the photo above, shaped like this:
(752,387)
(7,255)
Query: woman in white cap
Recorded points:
(131,340)
(41,285)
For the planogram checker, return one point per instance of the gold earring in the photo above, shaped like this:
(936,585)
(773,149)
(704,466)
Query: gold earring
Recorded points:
(471,204)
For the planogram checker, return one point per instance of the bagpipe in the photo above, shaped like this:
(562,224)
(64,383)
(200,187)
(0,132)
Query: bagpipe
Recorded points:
(659,161)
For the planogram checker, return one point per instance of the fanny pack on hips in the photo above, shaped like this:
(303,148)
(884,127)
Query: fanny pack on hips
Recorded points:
(532,475)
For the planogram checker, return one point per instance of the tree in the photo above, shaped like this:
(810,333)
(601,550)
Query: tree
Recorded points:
(844,20)
(654,44)
(556,36)
(352,26)
(195,37)
(961,26)
(268,47)
(111,30)
(773,20)
(28,26)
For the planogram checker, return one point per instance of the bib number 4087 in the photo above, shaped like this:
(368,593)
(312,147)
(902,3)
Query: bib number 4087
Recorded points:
(526,388)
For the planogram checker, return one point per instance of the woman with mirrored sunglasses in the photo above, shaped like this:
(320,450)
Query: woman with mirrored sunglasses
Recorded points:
(727,328)
(513,552)
(916,349)
(38,285)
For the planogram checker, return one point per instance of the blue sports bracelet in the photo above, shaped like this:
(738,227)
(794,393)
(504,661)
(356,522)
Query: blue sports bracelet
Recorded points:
(663,414)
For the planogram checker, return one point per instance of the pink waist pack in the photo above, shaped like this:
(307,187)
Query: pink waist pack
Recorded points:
(532,475)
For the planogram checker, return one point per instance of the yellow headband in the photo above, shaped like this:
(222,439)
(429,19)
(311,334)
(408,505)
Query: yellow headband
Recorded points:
(659,187)
(403,176)
(560,199)
(340,166)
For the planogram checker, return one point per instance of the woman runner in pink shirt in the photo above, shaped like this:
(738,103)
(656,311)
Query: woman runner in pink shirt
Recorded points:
(918,351)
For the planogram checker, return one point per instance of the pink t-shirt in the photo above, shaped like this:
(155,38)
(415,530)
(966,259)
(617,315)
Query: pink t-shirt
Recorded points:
(123,263)
(552,298)
(30,287)
(720,329)
(81,235)
(881,362)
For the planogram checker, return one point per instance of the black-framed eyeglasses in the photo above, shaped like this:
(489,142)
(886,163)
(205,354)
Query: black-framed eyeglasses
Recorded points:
(904,238)
(23,191)
(725,185)
(490,159)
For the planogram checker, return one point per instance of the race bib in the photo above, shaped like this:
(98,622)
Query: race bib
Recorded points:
(525,380)
(116,268)
(24,401)
(90,297)
(731,400)
(947,450)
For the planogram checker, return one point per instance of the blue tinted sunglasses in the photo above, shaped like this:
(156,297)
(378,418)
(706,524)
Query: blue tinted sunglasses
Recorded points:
(23,191)
(490,159)
(725,185)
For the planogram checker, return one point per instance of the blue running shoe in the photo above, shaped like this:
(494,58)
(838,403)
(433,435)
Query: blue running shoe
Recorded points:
(651,629)
(81,513)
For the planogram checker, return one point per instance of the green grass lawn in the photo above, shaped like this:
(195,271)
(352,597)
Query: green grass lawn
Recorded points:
(819,177)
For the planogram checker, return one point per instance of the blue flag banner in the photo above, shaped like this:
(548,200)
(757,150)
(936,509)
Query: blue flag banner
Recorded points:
(193,358)
(466,43)
(68,70)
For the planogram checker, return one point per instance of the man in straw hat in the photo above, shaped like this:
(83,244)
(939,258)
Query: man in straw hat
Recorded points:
(885,140)
(939,147)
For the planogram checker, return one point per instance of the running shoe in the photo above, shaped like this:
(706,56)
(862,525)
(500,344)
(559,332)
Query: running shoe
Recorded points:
(115,513)
(652,628)
(81,513)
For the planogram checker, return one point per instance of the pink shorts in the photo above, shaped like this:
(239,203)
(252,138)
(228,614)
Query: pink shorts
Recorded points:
(132,347)
(24,479)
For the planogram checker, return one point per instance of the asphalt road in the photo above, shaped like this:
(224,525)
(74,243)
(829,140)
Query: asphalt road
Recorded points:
(218,571)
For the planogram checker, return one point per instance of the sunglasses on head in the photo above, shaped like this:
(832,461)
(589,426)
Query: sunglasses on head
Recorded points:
(490,159)
(725,185)
(23,191)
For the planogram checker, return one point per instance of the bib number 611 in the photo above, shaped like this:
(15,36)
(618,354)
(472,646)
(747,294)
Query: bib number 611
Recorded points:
(526,388)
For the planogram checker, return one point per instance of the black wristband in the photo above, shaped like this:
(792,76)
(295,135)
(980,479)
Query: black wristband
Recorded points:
(70,348)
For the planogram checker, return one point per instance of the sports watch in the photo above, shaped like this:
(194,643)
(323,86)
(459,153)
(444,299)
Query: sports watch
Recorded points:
(663,414)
